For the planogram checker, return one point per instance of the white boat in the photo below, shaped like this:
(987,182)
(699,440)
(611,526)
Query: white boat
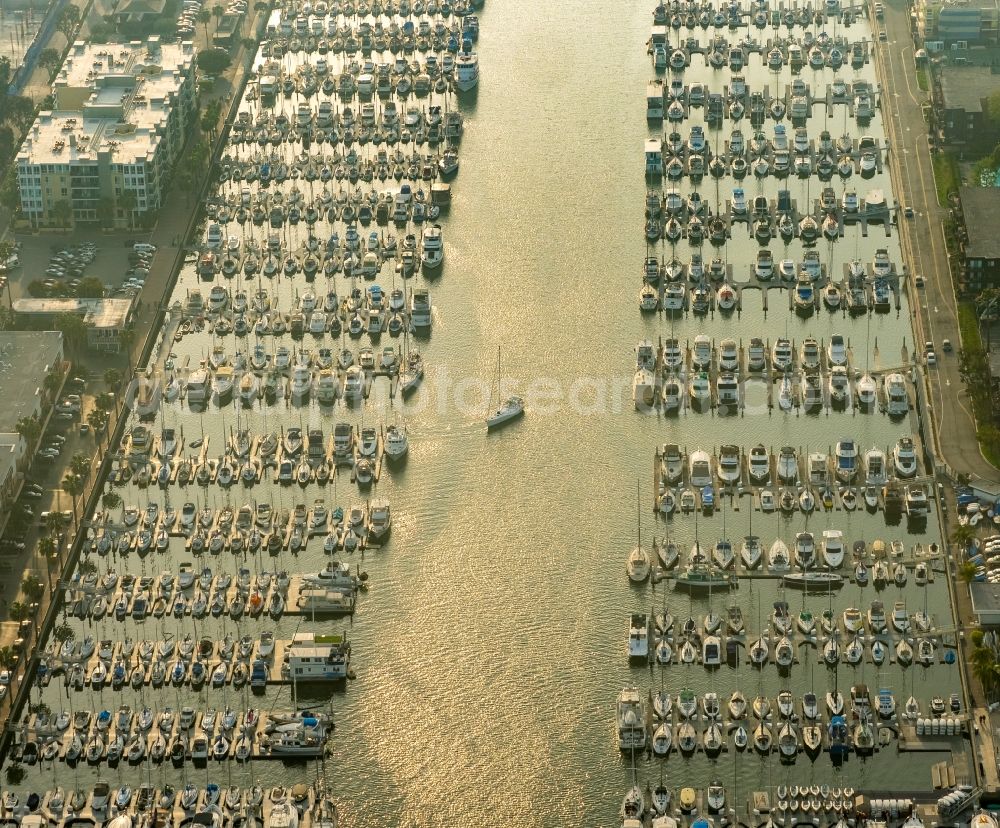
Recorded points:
(751,551)
(198,386)
(643,389)
(904,458)
(847,460)
(314,657)
(876,468)
(833,548)
(638,636)
(867,390)
(432,248)
(510,409)
(700,469)
(778,557)
(897,399)
(466,70)
(396,443)
(630,718)
(638,564)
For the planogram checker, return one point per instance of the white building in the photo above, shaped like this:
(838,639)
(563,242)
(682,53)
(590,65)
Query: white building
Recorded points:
(105,152)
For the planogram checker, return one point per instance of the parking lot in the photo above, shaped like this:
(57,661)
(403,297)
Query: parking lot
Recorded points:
(77,255)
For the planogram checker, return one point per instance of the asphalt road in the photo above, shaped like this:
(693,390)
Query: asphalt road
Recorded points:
(924,245)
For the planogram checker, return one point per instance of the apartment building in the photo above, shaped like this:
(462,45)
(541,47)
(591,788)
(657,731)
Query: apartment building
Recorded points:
(104,153)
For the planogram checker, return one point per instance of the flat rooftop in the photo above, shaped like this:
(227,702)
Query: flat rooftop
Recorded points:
(25,358)
(111,99)
(964,87)
(87,64)
(985,597)
(97,313)
(981,206)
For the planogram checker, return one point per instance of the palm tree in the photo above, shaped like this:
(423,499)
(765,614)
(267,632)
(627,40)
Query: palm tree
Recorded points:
(113,379)
(97,420)
(62,212)
(73,328)
(48,546)
(962,535)
(128,201)
(204,15)
(983,668)
(967,571)
(126,339)
(7,657)
(18,611)
(32,587)
(52,523)
(63,633)
(79,464)
(53,381)
(30,429)
(73,486)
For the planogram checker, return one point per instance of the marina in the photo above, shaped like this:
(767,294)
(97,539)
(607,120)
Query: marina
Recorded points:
(318,408)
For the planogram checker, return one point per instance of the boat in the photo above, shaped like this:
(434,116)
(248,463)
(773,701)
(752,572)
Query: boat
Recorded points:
(638,636)
(630,719)
(833,548)
(751,552)
(510,409)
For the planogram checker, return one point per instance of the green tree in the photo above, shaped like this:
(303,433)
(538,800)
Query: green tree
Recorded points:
(19,111)
(62,212)
(73,328)
(97,420)
(111,500)
(63,633)
(128,201)
(8,658)
(53,381)
(52,523)
(68,20)
(214,61)
(90,287)
(18,611)
(962,535)
(30,429)
(105,210)
(113,379)
(50,58)
(976,637)
(984,668)
(8,144)
(73,485)
(79,464)
(32,587)
(10,195)
(204,15)
(48,546)
(967,571)
(126,339)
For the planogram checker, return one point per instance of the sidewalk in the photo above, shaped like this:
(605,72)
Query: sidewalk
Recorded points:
(922,237)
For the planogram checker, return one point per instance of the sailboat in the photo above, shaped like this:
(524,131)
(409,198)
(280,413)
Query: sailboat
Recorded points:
(512,408)
(638,564)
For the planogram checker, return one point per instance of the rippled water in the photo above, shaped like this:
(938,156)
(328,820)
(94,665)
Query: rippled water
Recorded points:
(491,647)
